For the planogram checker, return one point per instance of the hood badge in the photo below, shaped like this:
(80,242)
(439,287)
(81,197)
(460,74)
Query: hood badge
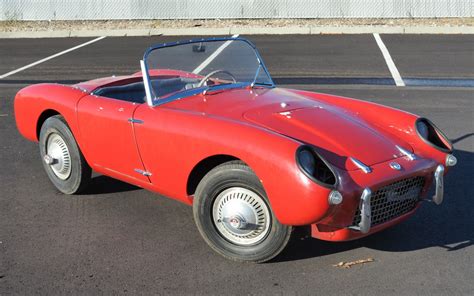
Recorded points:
(361,165)
(396,166)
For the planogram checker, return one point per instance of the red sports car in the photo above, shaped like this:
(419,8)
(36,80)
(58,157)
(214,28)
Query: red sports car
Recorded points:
(203,123)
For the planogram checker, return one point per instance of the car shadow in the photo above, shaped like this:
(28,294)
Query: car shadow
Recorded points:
(448,226)
(103,185)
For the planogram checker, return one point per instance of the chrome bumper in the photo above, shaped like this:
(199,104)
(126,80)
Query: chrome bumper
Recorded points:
(439,185)
(365,212)
(365,209)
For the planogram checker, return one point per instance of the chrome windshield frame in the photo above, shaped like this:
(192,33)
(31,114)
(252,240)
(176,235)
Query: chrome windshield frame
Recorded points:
(153,101)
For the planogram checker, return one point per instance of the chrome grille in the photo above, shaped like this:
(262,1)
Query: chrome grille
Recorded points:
(393,200)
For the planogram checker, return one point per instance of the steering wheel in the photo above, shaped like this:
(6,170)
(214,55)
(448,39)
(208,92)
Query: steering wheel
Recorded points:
(206,78)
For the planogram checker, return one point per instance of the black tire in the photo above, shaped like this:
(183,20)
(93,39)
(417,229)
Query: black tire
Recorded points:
(236,174)
(79,172)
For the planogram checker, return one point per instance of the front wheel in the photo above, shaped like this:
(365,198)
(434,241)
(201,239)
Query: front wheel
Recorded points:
(62,160)
(234,217)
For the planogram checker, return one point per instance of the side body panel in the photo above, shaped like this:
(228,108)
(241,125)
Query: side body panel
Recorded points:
(108,139)
(173,141)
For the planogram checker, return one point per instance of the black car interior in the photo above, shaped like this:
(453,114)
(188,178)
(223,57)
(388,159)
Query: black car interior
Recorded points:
(135,92)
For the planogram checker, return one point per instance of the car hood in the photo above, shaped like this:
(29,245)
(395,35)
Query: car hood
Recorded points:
(336,133)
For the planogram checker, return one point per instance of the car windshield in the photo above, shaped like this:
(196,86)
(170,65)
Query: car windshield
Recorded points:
(186,68)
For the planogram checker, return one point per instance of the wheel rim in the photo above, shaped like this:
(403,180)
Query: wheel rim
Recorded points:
(57,156)
(241,216)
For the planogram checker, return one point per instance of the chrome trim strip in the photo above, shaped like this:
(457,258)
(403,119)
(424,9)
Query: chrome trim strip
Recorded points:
(146,83)
(361,165)
(365,212)
(142,172)
(256,74)
(80,88)
(133,120)
(260,60)
(439,187)
(408,154)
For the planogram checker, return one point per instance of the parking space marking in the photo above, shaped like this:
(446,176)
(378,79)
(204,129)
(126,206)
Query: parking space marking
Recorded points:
(213,56)
(388,59)
(50,57)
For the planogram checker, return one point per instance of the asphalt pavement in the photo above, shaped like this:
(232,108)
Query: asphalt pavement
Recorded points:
(119,239)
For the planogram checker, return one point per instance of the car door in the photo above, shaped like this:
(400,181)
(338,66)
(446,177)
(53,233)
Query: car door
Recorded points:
(160,140)
(106,126)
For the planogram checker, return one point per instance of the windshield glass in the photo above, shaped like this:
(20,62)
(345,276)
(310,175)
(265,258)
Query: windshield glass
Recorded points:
(188,68)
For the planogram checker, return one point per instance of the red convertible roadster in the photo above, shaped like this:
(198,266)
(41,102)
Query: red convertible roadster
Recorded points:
(203,123)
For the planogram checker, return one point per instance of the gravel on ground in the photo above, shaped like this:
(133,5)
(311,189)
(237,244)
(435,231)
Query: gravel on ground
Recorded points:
(35,26)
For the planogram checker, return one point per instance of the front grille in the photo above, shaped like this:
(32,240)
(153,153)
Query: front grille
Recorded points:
(393,200)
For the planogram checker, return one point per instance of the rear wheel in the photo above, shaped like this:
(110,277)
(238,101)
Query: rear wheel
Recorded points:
(62,160)
(233,215)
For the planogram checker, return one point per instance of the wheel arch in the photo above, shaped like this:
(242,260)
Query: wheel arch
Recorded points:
(203,167)
(42,118)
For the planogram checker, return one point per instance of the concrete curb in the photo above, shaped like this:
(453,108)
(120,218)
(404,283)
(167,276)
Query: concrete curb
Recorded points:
(199,31)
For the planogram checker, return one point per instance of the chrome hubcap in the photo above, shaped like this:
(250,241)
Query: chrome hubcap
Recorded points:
(58,157)
(241,216)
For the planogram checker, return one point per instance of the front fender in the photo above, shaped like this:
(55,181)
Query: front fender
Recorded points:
(31,101)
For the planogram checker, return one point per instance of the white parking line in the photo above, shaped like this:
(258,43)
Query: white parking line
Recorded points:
(213,56)
(50,57)
(388,59)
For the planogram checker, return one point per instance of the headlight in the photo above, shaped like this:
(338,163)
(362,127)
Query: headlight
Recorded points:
(315,167)
(307,161)
(432,135)
(422,129)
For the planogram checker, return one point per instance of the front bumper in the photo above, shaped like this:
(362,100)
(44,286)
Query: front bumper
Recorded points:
(365,200)
(332,230)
